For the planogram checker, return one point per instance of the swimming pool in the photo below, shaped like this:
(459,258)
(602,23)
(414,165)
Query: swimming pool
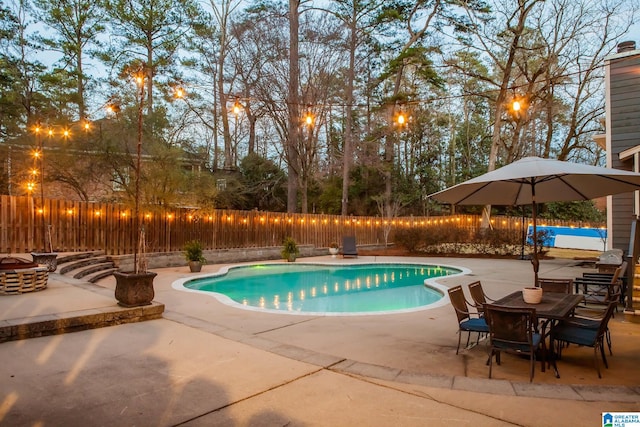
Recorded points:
(325,289)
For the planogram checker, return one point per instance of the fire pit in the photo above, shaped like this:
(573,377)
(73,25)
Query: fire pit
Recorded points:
(19,276)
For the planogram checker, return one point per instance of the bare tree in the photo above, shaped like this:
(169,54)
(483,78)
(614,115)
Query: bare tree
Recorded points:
(359,18)
(222,12)
(293,101)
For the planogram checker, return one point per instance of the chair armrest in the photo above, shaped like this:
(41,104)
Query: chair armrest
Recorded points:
(592,280)
(602,276)
(468,313)
(585,284)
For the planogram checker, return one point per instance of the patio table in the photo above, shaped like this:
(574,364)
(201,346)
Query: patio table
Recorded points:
(553,307)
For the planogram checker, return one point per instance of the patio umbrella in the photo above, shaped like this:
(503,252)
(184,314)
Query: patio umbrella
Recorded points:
(533,180)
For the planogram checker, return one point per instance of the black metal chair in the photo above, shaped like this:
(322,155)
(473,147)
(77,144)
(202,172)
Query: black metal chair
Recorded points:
(467,321)
(571,333)
(513,330)
(622,275)
(600,290)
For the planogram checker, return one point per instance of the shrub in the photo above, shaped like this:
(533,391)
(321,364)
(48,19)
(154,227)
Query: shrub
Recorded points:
(410,239)
(289,247)
(193,251)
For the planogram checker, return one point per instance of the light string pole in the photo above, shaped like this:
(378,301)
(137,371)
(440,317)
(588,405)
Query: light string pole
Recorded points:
(138,226)
(39,156)
(40,133)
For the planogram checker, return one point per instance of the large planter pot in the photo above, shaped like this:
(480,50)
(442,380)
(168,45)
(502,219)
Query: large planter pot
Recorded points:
(50,259)
(333,252)
(195,266)
(134,289)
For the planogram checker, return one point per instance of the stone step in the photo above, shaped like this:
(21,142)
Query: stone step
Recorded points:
(47,324)
(81,263)
(93,268)
(98,275)
(78,256)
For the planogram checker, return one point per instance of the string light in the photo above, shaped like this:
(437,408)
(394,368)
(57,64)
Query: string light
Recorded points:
(237,108)
(309,118)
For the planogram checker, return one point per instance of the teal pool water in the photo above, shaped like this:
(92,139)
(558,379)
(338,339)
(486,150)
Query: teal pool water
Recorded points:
(317,288)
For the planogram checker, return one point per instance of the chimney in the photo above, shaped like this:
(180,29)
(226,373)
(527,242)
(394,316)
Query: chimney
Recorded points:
(626,46)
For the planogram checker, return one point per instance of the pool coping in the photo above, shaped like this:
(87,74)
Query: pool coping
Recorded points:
(179,285)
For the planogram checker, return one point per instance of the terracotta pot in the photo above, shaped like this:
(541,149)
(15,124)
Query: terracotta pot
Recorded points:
(532,295)
(195,266)
(134,289)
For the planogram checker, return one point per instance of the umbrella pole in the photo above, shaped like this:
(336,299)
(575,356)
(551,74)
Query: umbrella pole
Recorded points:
(523,236)
(534,259)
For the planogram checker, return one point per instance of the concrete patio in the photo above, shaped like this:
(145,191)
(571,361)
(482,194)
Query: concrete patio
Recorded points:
(205,363)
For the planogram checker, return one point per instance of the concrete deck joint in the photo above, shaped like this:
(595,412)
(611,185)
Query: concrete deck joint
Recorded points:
(479,385)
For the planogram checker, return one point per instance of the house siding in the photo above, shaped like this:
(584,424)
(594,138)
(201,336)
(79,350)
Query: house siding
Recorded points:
(624,126)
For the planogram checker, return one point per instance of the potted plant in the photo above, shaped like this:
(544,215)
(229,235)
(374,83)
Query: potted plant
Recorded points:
(135,288)
(290,249)
(193,255)
(334,248)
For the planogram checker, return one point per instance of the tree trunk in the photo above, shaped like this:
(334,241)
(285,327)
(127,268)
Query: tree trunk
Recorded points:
(294,108)
(228,163)
(348,132)
(80,86)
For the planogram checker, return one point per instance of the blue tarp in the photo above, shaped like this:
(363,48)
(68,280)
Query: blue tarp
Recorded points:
(553,232)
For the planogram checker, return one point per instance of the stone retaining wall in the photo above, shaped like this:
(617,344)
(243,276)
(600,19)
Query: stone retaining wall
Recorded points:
(222,256)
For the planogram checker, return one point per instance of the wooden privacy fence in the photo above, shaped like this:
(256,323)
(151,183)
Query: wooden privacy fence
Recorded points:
(88,226)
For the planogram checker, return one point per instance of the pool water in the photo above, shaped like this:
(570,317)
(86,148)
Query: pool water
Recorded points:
(316,288)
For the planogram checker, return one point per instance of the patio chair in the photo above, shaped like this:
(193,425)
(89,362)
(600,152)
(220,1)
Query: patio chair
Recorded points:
(609,277)
(467,321)
(479,297)
(512,330)
(585,336)
(562,286)
(590,322)
(349,246)
(598,290)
